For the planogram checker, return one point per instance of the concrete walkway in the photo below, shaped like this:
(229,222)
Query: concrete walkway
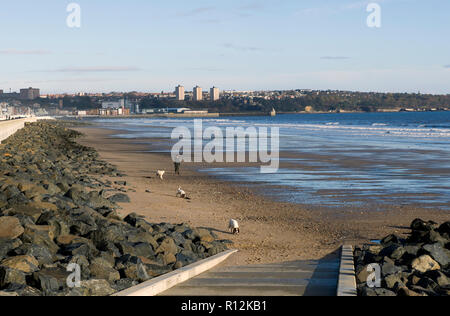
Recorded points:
(299,278)
(7,128)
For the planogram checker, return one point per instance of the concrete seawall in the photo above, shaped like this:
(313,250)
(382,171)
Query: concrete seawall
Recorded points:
(8,128)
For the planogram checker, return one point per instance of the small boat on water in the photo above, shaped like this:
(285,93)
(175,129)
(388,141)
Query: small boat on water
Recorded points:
(273,113)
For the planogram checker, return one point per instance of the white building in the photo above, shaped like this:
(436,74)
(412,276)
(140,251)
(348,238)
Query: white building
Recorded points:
(198,94)
(214,94)
(180,93)
(113,104)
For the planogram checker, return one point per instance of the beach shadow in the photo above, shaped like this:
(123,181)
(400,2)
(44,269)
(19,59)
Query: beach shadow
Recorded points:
(217,230)
(400,227)
(325,278)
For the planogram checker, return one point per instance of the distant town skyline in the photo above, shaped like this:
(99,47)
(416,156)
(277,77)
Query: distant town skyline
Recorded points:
(148,46)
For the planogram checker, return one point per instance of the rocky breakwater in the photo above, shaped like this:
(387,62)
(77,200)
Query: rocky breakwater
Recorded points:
(55,214)
(416,266)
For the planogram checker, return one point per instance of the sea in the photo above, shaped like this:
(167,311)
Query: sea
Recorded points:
(353,159)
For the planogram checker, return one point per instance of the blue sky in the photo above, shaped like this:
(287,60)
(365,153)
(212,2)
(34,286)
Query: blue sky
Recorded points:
(149,45)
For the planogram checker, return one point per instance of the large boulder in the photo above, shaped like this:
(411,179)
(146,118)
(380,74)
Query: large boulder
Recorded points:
(424,264)
(438,253)
(167,246)
(120,198)
(10,228)
(82,222)
(389,267)
(6,246)
(97,288)
(393,251)
(11,276)
(27,264)
(50,280)
(102,269)
(444,230)
(185,258)
(420,225)
(138,221)
(21,290)
(132,267)
(396,280)
(42,254)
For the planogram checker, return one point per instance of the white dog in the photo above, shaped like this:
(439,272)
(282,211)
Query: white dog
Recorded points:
(181,193)
(234,227)
(160,174)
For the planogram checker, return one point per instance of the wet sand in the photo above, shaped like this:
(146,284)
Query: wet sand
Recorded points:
(271,231)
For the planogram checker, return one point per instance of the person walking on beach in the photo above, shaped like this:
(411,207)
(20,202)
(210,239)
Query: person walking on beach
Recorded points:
(177,164)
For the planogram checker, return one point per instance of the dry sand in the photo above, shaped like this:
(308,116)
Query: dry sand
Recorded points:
(270,231)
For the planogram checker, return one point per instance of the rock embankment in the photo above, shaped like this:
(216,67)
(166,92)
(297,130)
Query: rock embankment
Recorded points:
(55,212)
(416,266)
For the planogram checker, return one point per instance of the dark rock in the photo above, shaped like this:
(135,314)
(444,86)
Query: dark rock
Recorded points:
(102,269)
(389,268)
(7,246)
(142,237)
(393,251)
(178,238)
(96,201)
(377,292)
(438,253)
(136,249)
(41,236)
(82,249)
(389,240)
(60,225)
(131,267)
(97,288)
(186,257)
(156,270)
(11,276)
(42,254)
(81,222)
(31,209)
(438,277)
(22,290)
(428,284)
(120,198)
(444,230)
(420,225)
(124,284)
(396,280)
(217,248)
(50,280)
(404,291)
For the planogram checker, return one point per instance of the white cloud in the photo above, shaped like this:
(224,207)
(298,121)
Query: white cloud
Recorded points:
(98,69)
(23,52)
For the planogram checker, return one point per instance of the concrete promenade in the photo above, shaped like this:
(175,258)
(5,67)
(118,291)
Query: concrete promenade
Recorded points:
(7,128)
(298,278)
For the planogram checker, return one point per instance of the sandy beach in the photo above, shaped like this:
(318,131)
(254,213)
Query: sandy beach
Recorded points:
(271,231)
